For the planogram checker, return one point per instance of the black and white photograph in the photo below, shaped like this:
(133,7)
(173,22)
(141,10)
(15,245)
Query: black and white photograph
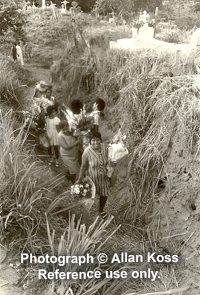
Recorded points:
(99,147)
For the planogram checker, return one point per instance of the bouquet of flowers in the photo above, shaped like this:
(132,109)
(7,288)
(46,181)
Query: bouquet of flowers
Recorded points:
(138,24)
(151,23)
(81,121)
(34,118)
(85,189)
(81,190)
(44,103)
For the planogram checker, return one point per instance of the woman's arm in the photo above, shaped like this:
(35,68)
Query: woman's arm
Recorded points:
(84,167)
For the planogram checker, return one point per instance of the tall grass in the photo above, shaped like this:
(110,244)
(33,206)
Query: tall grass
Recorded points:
(105,73)
(77,240)
(172,115)
(27,187)
(12,79)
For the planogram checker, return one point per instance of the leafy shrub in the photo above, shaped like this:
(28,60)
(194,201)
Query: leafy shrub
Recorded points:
(172,37)
(11,18)
(188,22)
(12,75)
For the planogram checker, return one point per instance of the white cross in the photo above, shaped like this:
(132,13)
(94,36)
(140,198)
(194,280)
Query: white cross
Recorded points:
(144,17)
(52,6)
(43,3)
(65,4)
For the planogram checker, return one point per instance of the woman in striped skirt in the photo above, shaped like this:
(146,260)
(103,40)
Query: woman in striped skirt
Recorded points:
(95,160)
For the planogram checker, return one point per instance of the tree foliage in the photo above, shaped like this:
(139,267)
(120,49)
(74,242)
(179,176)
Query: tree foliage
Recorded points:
(124,6)
(11,20)
(86,6)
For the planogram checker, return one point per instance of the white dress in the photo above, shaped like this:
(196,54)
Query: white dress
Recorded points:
(52,131)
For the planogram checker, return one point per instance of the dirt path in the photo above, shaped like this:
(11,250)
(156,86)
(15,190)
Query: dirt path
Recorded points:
(9,275)
(38,72)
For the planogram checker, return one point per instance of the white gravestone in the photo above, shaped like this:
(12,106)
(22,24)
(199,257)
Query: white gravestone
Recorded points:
(63,10)
(111,20)
(65,4)
(195,40)
(146,33)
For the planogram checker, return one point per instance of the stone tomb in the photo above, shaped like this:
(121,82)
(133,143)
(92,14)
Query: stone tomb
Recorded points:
(146,33)
(146,40)
(142,38)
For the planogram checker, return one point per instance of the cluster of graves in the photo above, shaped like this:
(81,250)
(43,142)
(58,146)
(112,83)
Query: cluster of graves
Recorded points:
(28,5)
(143,38)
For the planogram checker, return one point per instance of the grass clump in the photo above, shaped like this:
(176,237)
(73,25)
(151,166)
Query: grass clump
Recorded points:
(27,188)
(12,78)
(77,240)
(170,115)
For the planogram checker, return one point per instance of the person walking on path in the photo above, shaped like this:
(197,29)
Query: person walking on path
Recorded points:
(95,160)
(52,122)
(69,148)
(19,54)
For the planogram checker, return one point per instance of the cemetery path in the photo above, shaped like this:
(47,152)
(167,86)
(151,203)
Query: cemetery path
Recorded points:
(39,72)
(10,280)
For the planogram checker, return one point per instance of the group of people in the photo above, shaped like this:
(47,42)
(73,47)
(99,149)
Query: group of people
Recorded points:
(68,141)
(17,52)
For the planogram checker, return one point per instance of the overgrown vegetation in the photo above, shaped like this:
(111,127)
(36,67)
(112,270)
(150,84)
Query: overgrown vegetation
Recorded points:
(11,23)
(25,187)
(188,22)
(13,80)
(150,109)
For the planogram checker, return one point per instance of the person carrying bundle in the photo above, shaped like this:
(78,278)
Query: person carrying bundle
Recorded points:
(69,149)
(40,89)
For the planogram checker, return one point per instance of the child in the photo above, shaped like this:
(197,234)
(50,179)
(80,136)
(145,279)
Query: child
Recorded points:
(69,148)
(98,108)
(52,122)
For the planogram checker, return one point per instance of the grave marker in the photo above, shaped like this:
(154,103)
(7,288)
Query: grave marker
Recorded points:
(52,7)
(144,17)
(65,4)
(43,4)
